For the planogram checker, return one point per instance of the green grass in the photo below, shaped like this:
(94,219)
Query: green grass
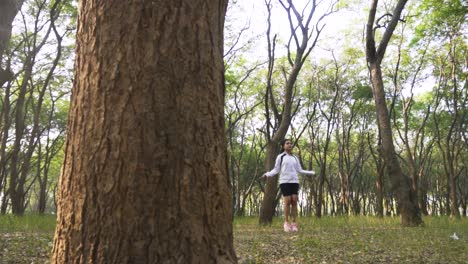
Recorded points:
(27,223)
(28,239)
(352,240)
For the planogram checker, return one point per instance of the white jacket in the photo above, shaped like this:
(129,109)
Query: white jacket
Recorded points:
(288,169)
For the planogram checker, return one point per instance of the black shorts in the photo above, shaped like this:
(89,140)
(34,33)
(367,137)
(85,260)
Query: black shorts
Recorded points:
(288,189)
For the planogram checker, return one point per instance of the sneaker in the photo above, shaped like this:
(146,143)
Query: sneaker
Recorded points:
(293,227)
(286,227)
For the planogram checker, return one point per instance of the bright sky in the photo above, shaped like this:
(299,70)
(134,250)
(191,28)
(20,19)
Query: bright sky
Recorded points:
(333,36)
(341,27)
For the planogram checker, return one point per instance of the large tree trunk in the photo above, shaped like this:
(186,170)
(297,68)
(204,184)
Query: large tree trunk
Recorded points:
(401,184)
(145,173)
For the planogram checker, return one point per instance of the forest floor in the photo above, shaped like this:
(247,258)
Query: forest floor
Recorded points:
(352,240)
(326,240)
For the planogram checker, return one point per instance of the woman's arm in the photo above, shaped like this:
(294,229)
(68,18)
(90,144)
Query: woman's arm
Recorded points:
(275,170)
(302,171)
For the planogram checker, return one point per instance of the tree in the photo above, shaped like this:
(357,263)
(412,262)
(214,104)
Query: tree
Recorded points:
(36,54)
(8,11)
(279,111)
(445,26)
(145,171)
(241,100)
(412,132)
(329,92)
(401,184)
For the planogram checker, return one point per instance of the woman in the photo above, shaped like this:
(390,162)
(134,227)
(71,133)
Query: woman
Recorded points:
(288,166)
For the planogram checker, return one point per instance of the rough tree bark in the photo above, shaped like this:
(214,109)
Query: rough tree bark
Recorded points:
(145,173)
(401,184)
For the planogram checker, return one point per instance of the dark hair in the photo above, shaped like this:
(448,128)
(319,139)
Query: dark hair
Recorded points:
(284,142)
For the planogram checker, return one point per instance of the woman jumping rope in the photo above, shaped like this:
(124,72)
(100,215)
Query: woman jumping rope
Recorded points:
(288,166)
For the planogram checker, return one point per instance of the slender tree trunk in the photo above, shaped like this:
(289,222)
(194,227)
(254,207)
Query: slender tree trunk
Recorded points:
(16,185)
(41,200)
(379,186)
(343,202)
(332,199)
(320,199)
(4,204)
(5,132)
(145,172)
(422,198)
(267,209)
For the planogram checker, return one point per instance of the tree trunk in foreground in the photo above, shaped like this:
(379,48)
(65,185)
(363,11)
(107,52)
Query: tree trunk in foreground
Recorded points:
(145,176)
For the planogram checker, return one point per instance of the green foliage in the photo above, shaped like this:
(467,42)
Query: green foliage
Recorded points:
(343,4)
(440,18)
(363,92)
(353,52)
(231,79)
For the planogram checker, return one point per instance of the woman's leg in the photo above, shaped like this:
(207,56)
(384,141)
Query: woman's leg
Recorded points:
(293,207)
(286,210)
(293,226)
(286,205)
